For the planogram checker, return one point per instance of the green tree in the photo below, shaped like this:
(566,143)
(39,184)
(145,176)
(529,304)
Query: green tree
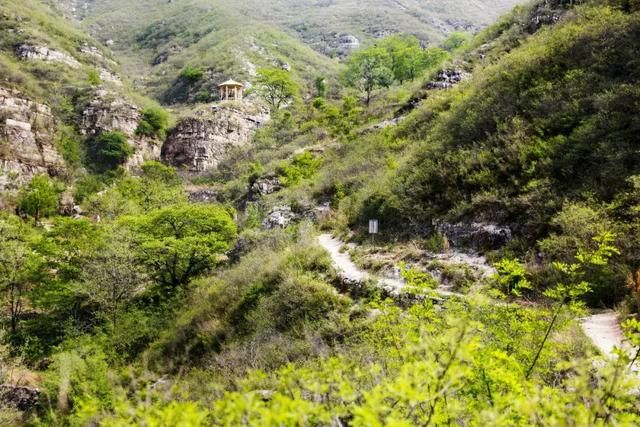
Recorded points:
(19,265)
(369,69)
(39,198)
(191,74)
(184,241)
(277,87)
(110,150)
(455,41)
(112,276)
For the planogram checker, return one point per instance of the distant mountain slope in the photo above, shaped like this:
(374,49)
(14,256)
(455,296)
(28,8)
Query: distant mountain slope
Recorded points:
(157,39)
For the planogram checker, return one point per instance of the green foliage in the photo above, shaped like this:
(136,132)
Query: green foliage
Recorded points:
(417,281)
(181,242)
(512,277)
(513,143)
(19,268)
(573,287)
(303,166)
(39,198)
(110,150)
(277,87)
(369,69)
(456,41)
(93,77)
(191,74)
(71,150)
(154,123)
(320,84)
(409,59)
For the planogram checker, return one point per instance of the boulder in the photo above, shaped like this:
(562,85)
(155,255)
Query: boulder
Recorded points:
(26,140)
(265,185)
(203,196)
(201,141)
(447,78)
(280,216)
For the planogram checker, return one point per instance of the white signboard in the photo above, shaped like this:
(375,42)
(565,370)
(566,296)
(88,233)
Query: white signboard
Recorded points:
(373,226)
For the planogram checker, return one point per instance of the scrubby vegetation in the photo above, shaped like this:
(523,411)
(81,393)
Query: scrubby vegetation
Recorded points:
(142,302)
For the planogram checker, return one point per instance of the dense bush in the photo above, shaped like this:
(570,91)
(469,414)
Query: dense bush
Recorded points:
(110,150)
(154,123)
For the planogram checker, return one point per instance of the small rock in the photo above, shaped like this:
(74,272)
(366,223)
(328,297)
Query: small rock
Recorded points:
(280,216)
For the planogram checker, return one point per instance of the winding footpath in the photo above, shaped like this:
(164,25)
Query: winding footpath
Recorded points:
(602,329)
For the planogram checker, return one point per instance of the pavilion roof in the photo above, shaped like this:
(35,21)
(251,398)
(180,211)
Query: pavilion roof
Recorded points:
(230,83)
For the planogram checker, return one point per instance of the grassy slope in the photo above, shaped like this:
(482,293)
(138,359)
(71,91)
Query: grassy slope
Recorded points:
(62,87)
(230,39)
(554,116)
(216,39)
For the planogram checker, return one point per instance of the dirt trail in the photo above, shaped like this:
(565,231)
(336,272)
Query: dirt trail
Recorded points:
(602,328)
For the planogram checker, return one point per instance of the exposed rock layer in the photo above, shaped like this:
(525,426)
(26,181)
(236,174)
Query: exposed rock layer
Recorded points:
(26,140)
(108,113)
(199,143)
(43,53)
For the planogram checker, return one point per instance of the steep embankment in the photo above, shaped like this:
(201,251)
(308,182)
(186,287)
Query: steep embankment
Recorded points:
(60,89)
(553,119)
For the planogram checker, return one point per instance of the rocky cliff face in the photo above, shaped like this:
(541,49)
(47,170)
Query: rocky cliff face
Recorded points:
(200,142)
(26,140)
(108,113)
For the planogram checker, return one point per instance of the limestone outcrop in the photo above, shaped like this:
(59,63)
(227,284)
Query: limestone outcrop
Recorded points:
(42,53)
(200,142)
(26,140)
(265,185)
(110,113)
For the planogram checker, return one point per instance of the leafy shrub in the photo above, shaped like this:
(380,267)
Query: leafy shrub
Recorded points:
(191,74)
(512,277)
(110,150)
(39,197)
(71,150)
(303,166)
(93,77)
(154,123)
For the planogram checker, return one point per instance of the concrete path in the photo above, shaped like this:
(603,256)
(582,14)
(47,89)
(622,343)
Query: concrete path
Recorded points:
(604,330)
(351,272)
(341,260)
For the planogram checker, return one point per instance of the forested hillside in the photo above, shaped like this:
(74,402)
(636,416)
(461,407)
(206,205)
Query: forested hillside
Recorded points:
(437,225)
